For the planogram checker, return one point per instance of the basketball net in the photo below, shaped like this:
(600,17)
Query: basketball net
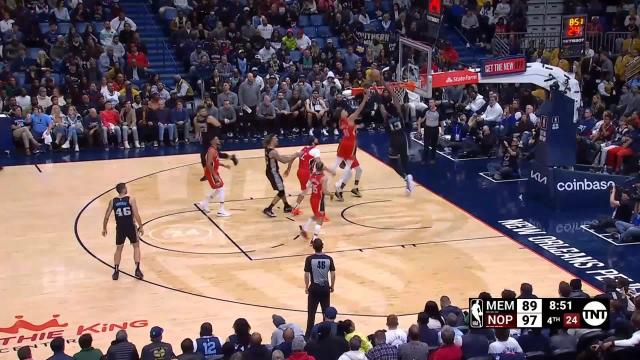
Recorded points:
(398,89)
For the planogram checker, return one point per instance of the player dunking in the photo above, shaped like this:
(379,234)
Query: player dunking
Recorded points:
(398,145)
(125,209)
(318,184)
(306,157)
(213,176)
(272,157)
(347,149)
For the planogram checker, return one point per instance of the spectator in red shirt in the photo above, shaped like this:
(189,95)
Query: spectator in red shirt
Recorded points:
(139,57)
(449,55)
(110,125)
(448,350)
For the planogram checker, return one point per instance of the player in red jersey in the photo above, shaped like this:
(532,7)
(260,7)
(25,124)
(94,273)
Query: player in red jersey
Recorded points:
(318,184)
(215,181)
(347,149)
(306,157)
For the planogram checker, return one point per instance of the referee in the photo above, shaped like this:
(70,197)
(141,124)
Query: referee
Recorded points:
(317,268)
(432,124)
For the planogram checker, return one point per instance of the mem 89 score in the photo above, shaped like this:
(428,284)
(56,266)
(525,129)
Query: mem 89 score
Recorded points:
(551,313)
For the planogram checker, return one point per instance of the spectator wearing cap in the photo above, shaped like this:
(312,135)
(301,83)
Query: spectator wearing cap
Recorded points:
(448,350)
(117,24)
(393,335)
(327,345)
(329,320)
(57,347)
(281,325)
(87,351)
(157,349)
(355,350)
(414,349)
(382,350)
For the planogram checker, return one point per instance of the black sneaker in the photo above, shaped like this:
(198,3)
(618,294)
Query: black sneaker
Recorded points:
(338,195)
(268,212)
(303,233)
(139,274)
(204,178)
(234,159)
(116,275)
(355,192)
(288,208)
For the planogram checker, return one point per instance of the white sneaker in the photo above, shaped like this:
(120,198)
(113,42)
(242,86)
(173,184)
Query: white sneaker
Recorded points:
(336,132)
(126,145)
(223,213)
(324,132)
(410,184)
(136,144)
(310,132)
(204,207)
(65,145)
(77,148)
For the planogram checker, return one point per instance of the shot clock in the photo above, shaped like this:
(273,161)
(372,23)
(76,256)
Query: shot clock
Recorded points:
(573,38)
(551,313)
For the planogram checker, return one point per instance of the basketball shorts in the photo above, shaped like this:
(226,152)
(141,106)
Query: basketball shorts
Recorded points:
(126,232)
(303,177)
(212,183)
(276,181)
(346,150)
(398,145)
(317,206)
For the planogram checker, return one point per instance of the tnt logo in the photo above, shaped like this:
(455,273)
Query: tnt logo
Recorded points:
(595,313)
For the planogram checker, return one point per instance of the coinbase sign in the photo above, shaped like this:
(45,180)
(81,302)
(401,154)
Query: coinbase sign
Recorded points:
(584,185)
(570,189)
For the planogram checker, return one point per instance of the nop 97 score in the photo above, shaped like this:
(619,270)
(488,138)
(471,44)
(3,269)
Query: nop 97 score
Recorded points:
(551,313)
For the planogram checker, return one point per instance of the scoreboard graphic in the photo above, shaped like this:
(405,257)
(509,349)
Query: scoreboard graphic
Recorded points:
(551,313)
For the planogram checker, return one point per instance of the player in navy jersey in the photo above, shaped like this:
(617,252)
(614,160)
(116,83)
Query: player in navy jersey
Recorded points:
(125,210)
(207,344)
(398,145)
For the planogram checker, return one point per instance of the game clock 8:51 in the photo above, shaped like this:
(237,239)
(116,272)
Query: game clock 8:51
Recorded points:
(560,305)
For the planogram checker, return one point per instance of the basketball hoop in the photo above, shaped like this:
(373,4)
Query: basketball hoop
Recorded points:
(398,89)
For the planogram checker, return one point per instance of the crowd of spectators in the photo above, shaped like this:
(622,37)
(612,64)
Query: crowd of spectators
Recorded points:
(440,332)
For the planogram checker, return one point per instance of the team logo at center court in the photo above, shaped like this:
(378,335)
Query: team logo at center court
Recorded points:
(35,333)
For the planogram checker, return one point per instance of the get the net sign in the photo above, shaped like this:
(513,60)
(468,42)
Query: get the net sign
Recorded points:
(504,66)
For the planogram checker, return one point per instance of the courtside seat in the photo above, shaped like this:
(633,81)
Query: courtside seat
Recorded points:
(387,6)
(319,41)
(536,355)
(170,14)
(19,78)
(98,26)
(44,27)
(564,355)
(32,53)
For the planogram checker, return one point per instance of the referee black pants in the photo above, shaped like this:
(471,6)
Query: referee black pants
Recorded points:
(431,141)
(316,297)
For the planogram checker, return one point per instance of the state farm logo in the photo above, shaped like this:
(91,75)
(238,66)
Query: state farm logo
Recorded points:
(467,77)
(35,334)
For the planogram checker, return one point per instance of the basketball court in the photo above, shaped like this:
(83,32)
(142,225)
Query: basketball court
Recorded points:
(392,252)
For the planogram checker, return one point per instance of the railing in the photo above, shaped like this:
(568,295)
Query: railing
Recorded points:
(610,41)
(167,54)
(501,46)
